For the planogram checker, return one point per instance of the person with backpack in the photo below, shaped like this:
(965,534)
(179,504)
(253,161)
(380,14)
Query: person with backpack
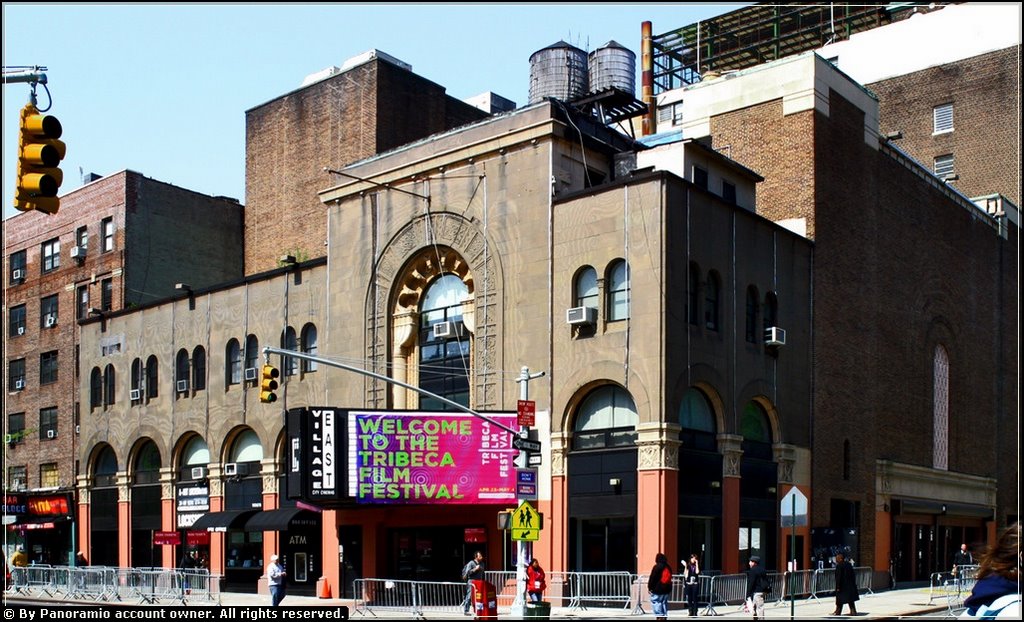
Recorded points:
(660,586)
(757,586)
(472,571)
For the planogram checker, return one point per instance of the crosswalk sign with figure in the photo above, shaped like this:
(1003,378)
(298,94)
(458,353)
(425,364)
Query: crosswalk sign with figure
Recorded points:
(525,523)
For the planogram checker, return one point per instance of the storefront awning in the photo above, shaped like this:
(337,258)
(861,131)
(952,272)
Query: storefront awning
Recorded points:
(279,520)
(222,521)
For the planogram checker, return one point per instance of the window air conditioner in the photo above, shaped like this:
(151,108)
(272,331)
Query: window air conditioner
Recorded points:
(51,434)
(233,469)
(8,439)
(198,472)
(182,386)
(135,395)
(17,275)
(76,252)
(774,336)
(581,315)
(250,373)
(448,329)
(19,384)
(49,320)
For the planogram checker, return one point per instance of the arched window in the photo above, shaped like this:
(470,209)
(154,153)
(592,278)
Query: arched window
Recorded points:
(752,310)
(607,418)
(444,360)
(940,410)
(693,295)
(199,368)
(756,431)
(697,420)
(136,384)
(247,448)
(152,377)
(309,347)
(771,310)
(252,352)
(618,291)
(147,465)
(711,302)
(289,342)
(233,356)
(196,453)
(181,373)
(585,288)
(106,468)
(95,388)
(109,385)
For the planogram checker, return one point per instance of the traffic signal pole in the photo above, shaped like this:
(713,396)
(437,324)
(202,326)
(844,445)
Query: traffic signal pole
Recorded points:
(524,548)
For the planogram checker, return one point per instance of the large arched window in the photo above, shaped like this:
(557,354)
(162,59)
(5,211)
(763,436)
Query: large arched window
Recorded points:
(693,295)
(109,385)
(145,506)
(752,311)
(309,346)
(585,288)
(697,420)
(199,368)
(711,291)
(607,418)
(444,354)
(289,342)
(618,291)
(756,430)
(940,408)
(233,357)
(95,388)
(196,454)
(152,377)
(252,353)
(181,373)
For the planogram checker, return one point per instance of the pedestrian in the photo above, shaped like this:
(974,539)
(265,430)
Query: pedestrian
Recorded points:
(691,583)
(757,586)
(275,579)
(660,586)
(472,571)
(80,559)
(535,581)
(846,586)
(962,558)
(996,593)
(20,558)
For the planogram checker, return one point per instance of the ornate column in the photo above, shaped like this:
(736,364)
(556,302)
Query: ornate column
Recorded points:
(558,524)
(216,483)
(168,516)
(124,520)
(657,492)
(405,327)
(730,446)
(84,519)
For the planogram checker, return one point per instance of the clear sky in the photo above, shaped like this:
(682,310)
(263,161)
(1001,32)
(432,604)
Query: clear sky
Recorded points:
(162,89)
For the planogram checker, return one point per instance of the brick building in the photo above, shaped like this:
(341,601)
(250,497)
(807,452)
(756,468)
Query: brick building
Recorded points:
(117,242)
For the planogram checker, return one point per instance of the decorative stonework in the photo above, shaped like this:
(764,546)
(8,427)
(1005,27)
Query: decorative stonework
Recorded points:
(83,490)
(785,458)
(166,483)
(268,469)
(214,478)
(657,446)
(731,448)
(559,450)
(123,487)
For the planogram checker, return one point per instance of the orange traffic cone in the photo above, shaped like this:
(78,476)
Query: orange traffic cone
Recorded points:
(325,588)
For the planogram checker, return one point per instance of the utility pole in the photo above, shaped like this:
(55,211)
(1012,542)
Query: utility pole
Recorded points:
(524,548)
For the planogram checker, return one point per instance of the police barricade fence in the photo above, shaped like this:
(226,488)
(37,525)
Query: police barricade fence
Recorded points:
(731,590)
(799,584)
(414,597)
(641,594)
(600,588)
(558,591)
(941,583)
(101,583)
(825,581)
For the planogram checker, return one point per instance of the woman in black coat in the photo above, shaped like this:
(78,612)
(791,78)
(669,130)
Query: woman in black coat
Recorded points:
(846,586)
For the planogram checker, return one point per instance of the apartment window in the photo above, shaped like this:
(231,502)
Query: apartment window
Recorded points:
(48,311)
(252,352)
(152,377)
(49,475)
(309,346)
(82,299)
(48,423)
(585,294)
(109,385)
(618,291)
(107,229)
(693,295)
(135,394)
(199,368)
(943,118)
(700,177)
(944,166)
(16,375)
(107,294)
(671,112)
(771,310)
(182,372)
(289,342)
(82,240)
(711,302)
(17,478)
(48,367)
(16,321)
(16,427)
(51,255)
(728,192)
(234,358)
(17,266)
(95,388)
(752,311)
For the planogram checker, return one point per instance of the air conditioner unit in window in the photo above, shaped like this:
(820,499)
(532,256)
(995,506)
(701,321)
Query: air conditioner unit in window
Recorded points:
(250,373)
(182,386)
(135,395)
(17,275)
(51,434)
(198,472)
(8,438)
(446,330)
(19,384)
(774,336)
(50,320)
(581,315)
(77,251)
(233,469)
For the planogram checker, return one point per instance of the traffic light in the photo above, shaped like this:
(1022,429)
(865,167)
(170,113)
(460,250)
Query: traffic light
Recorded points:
(269,384)
(39,153)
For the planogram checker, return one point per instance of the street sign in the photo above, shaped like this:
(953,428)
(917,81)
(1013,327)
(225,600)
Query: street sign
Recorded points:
(526,490)
(526,411)
(526,476)
(525,444)
(534,459)
(525,523)
(793,508)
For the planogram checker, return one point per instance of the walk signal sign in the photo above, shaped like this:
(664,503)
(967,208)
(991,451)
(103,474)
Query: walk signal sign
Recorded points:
(268,384)
(39,153)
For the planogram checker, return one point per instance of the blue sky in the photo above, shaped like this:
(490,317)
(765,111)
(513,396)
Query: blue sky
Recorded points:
(162,89)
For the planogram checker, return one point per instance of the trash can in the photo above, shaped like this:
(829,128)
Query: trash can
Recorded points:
(541,610)
(485,600)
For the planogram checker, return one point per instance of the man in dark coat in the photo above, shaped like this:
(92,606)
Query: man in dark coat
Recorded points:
(757,586)
(846,586)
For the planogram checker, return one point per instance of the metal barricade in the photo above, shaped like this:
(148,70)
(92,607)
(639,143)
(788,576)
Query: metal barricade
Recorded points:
(729,589)
(799,584)
(387,595)
(824,582)
(864,574)
(591,588)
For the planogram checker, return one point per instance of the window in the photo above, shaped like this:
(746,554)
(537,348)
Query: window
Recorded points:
(252,352)
(940,409)
(48,423)
(289,342)
(48,367)
(700,177)
(82,240)
(51,255)
(95,388)
(444,361)
(233,355)
(136,382)
(17,478)
(48,311)
(943,118)
(199,368)
(771,310)
(152,377)
(16,375)
(711,302)
(607,418)
(752,310)
(756,430)
(16,321)
(17,266)
(693,295)
(49,475)
(181,373)
(109,385)
(585,290)
(107,294)
(107,229)
(16,427)
(618,291)
(82,308)
(944,166)
(728,192)
(697,422)
(309,346)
